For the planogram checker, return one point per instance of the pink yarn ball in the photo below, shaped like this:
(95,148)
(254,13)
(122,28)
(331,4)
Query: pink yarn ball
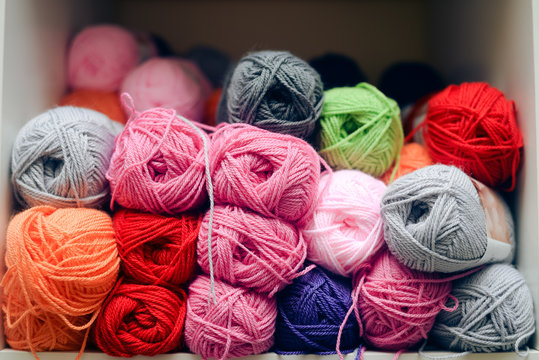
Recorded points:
(158,164)
(241,323)
(273,174)
(251,250)
(171,83)
(346,229)
(100,57)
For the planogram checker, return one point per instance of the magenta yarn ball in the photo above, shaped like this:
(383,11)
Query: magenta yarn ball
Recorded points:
(100,57)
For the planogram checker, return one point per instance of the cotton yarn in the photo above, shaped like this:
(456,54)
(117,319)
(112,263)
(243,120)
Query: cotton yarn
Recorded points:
(107,103)
(397,306)
(495,312)
(434,221)
(240,323)
(61,265)
(337,70)
(273,174)
(157,249)
(60,158)
(360,129)
(169,83)
(473,126)
(311,311)
(141,320)
(345,230)
(273,90)
(413,156)
(100,57)
(158,164)
(249,250)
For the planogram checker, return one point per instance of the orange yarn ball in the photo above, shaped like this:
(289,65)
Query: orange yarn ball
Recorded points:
(413,156)
(61,265)
(210,112)
(107,103)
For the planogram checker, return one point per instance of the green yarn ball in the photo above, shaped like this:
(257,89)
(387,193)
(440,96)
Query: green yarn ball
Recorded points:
(361,129)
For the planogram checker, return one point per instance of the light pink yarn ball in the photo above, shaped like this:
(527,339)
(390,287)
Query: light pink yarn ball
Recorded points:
(345,229)
(170,83)
(100,57)
(241,323)
(250,250)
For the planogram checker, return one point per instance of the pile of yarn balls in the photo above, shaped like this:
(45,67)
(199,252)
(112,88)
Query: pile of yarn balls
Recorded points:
(142,231)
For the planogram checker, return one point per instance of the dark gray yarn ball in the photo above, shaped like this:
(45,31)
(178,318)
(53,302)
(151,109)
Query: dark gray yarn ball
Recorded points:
(273,90)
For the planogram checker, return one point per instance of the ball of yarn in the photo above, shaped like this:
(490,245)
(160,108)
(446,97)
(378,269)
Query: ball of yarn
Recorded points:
(413,156)
(100,57)
(397,306)
(210,110)
(311,312)
(141,320)
(107,103)
(250,250)
(170,83)
(273,174)
(473,126)
(157,249)
(158,164)
(213,62)
(495,312)
(360,129)
(337,70)
(434,221)
(345,230)
(240,323)
(60,158)
(273,90)
(61,265)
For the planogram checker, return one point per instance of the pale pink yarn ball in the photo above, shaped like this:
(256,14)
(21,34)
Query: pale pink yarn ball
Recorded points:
(100,57)
(240,323)
(250,250)
(171,83)
(345,229)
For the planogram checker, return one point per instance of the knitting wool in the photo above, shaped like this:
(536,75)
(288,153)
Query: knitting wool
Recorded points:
(495,312)
(250,250)
(240,322)
(413,156)
(311,312)
(157,249)
(275,91)
(60,158)
(360,129)
(107,103)
(210,109)
(345,230)
(273,174)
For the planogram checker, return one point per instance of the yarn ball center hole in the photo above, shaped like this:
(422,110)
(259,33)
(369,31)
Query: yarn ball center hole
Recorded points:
(350,126)
(52,167)
(259,169)
(159,252)
(157,167)
(419,212)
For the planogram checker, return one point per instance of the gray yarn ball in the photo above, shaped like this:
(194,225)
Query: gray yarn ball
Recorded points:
(495,312)
(434,221)
(273,90)
(60,158)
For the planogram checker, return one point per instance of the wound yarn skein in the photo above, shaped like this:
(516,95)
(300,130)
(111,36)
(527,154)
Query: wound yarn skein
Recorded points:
(413,156)
(60,158)
(107,103)
(275,91)
(345,230)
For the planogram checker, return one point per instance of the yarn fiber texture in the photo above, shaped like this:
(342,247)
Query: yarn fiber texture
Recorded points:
(100,57)
(273,174)
(345,230)
(311,311)
(413,156)
(495,312)
(157,249)
(397,306)
(60,158)
(250,250)
(434,221)
(107,103)
(158,164)
(473,126)
(61,265)
(141,320)
(240,323)
(360,129)
(275,91)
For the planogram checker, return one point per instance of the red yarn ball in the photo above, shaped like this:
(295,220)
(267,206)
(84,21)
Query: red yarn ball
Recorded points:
(473,126)
(140,320)
(157,249)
